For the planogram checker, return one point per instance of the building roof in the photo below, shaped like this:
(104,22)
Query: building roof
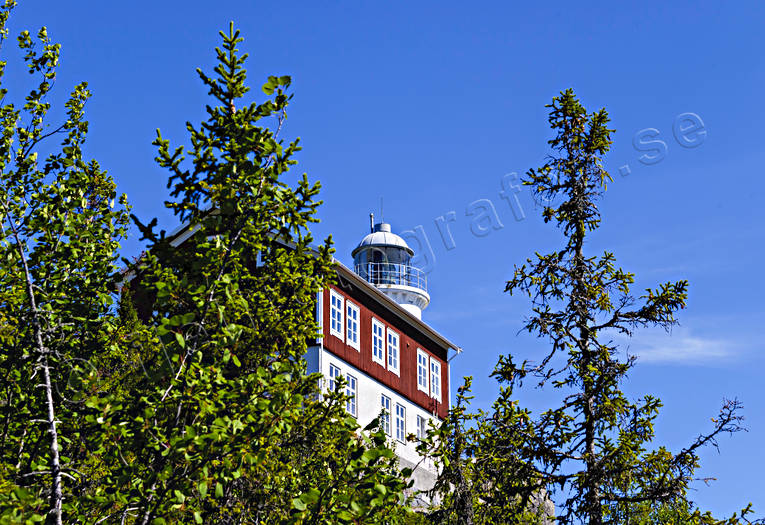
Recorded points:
(402,314)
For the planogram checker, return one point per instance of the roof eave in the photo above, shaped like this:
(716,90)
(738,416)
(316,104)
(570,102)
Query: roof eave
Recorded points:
(397,309)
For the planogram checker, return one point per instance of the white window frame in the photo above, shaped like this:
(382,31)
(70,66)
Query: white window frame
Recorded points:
(435,379)
(352,325)
(400,422)
(381,359)
(422,427)
(336,314)
(334,373)
(423,368)
(351,386)
(393,351)
(385,416)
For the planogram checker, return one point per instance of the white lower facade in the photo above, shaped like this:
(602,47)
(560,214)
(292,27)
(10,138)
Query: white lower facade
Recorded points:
(368,405)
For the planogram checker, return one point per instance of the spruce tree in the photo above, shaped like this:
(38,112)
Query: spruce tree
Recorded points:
(594,449)
(227,426)
(591,456)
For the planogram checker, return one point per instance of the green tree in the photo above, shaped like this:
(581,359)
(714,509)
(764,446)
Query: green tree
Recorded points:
(226,426)
(481,480)
(457,486)
(591,455)
(60,236)
(594,448)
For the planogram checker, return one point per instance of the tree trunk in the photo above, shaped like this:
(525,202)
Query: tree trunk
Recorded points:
(56,493)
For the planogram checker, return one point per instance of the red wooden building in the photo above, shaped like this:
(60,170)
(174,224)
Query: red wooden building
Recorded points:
(374,337)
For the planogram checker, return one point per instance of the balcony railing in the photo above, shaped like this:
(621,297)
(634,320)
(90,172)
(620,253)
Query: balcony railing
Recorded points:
(393,273)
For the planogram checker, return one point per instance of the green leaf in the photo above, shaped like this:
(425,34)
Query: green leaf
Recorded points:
(311,495)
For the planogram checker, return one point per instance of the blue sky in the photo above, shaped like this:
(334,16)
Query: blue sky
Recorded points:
(429,106)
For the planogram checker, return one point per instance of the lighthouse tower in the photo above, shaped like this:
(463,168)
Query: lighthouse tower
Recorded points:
(383,259)
(395,366)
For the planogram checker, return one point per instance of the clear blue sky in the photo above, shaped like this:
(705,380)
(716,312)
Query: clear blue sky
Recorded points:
(429,106)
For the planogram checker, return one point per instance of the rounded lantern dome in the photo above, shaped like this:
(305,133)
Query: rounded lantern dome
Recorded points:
(382,237)
(383,259)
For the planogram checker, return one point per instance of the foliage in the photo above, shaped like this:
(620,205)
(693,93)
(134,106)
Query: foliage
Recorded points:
(594,448)
(60,236)
(187,401)
(479,481)
(227,426)
(590,455)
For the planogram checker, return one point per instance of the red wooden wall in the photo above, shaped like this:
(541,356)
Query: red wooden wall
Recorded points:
(409,341)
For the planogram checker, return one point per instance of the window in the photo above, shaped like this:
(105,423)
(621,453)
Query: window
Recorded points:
(350,391)
(336,314)
(435,379)
(422,370)
(385,418)
(422,427)
(392,351)
(400,422)
(378,342)
(334,373)
(350,388)
(352,324)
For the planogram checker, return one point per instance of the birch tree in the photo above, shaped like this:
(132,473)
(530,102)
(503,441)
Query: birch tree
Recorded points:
(61,229)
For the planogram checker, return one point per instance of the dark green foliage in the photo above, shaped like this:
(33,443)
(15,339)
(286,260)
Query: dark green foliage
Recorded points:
(480,480)
(594,449)
(592,455)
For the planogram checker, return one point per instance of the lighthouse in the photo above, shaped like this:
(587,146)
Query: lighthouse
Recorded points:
(395,366)
(384,260)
